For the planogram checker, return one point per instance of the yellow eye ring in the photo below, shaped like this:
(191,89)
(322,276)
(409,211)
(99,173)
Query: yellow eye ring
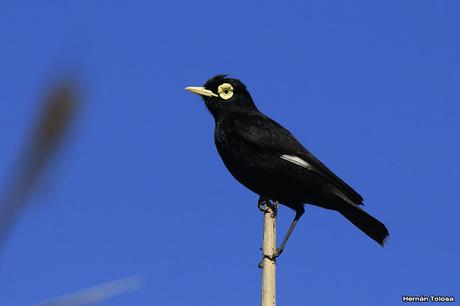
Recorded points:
(225,91)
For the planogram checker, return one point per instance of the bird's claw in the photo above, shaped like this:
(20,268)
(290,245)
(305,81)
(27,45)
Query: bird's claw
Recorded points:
(262,205)
(274,206)
(269,257)
(272,257)
(266,204)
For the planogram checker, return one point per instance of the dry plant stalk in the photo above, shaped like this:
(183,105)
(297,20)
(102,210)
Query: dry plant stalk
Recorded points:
(269,264)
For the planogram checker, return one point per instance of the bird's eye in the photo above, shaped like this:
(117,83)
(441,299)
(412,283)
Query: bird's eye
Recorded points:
(225,91)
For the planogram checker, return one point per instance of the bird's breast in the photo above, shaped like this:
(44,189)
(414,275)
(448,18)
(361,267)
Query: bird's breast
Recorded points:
(240,158)
(231,146)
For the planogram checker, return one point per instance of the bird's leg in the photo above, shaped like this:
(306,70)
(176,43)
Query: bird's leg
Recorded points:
(298,214)
(279,250)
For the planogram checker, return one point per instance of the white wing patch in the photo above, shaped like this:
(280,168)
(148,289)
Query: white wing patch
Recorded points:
(296,160)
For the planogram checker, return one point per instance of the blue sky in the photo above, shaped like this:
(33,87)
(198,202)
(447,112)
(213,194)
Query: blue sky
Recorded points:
(371,88)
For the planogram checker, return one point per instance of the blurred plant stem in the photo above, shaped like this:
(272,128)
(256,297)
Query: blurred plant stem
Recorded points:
(58,111)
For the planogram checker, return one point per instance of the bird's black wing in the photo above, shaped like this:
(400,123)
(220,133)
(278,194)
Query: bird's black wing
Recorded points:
(271,137)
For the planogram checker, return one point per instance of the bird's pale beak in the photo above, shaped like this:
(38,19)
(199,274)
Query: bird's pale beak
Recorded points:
(201,91)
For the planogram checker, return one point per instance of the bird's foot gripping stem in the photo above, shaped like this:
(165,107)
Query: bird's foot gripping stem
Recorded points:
(271,257)
(264,204)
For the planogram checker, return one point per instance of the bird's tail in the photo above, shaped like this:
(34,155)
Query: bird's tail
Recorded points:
(365,222)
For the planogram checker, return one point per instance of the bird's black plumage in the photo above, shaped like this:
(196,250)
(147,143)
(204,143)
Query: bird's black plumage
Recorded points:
(266,158)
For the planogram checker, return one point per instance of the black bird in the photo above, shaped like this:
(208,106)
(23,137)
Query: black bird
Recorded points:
(266,158)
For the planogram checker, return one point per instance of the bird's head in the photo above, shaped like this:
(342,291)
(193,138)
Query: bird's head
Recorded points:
(224,95)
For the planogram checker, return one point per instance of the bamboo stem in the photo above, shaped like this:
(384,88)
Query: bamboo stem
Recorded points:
(269,265)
